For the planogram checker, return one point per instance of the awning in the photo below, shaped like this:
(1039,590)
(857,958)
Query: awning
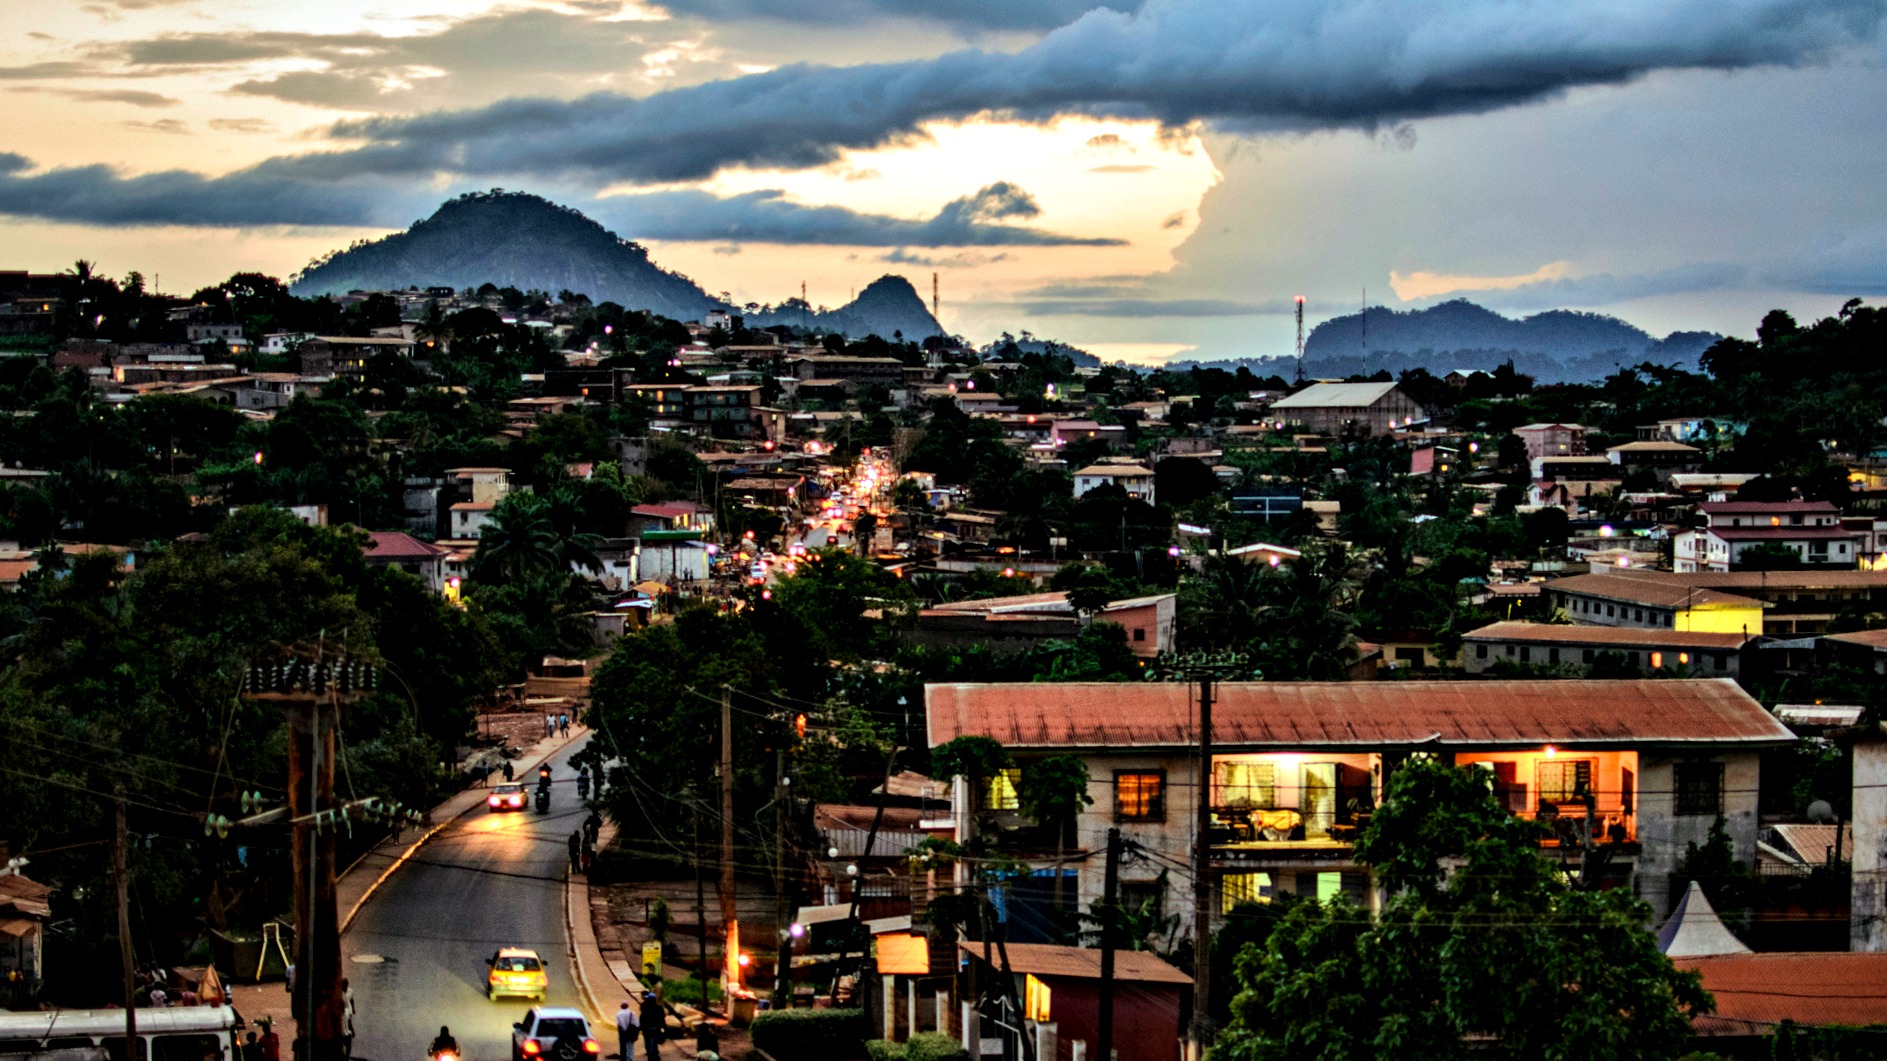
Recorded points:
(905,955)
(819,915)
(17,927)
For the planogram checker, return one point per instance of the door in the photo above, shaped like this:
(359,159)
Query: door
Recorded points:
(1317,800)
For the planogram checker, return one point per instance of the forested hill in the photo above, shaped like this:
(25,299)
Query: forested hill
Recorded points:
(1555,346)
(512,239)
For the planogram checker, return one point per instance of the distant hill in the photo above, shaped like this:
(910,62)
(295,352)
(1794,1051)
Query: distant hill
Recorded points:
(513,239)
(1555,346)
(889,307)
(1558,346)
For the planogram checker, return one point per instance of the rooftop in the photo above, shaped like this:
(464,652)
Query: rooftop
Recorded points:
(1779,534)
(1755,992)
(1335,396)
(1551,633)
(1048,959)
(1876,639)
(1653,447)
(1765,508)
(1128,471)
(1297,715)
(389,544)
(1633,589)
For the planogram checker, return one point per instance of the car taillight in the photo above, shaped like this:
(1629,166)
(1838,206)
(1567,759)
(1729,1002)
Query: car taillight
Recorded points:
(531,1047)
(590,1046)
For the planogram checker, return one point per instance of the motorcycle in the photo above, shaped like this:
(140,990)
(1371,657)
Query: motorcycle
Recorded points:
(543,802)
(444,1055)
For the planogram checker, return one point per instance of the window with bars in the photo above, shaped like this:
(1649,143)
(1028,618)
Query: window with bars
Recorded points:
(1564,780)
(1002,792)
(1139,795)
(1699,788)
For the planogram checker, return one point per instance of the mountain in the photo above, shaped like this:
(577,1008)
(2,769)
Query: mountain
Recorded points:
(512,240)
(889,307)
(517,240)
(1555,346)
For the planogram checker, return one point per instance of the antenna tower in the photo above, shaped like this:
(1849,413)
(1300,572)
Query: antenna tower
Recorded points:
(1364,317)
(802,293)
(1300,338)
(934,304)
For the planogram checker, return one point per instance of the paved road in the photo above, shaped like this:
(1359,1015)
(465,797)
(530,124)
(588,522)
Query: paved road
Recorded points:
(416,952)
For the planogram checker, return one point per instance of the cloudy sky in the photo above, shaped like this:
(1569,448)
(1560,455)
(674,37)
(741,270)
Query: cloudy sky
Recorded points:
(1142,180)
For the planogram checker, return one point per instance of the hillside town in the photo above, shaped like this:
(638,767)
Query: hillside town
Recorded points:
(901,697)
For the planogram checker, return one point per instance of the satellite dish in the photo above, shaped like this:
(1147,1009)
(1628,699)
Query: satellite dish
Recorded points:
(1821,812)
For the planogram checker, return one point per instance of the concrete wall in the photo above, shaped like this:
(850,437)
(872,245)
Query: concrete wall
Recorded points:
(1666,836)
(1867,927)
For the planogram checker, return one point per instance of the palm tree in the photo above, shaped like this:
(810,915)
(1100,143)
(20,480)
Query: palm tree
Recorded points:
(576,548)
(518,541)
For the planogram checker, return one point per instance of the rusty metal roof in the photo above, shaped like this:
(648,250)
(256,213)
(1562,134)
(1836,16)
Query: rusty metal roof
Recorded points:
(1597,636)
(1755,992)
(1633,589)
(1302,715)
(1049,959)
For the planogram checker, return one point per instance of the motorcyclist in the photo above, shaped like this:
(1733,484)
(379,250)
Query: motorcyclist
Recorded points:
(583,783)
(444,1044)
(543,774)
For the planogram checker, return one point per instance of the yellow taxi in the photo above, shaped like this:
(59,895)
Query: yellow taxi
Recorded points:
(516,971)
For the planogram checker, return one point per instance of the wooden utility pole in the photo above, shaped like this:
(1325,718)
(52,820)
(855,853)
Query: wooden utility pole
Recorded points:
(1201,1033)
(730,913)
(310,692)
(122,879)
(782,903)
(1110,917)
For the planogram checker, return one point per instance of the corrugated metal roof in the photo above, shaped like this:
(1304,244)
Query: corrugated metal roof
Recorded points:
(1335,396)
(1756,991)
(1764,508)
(1632,589)
(1287,715)
(1048,959)
(1870,638)
(1775,534)
(1652,637)
(1811,842)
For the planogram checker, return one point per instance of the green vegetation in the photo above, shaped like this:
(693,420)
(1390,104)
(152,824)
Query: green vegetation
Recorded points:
(811,1034)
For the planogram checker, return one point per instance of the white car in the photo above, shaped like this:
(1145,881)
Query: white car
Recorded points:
(556,1034)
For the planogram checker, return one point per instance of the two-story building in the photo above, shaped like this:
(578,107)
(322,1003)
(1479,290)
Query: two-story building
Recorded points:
(1552,440)
(1339,408)
(1810,530)
(1298,768)
(1644,599)
(1578,648)
(1136,480)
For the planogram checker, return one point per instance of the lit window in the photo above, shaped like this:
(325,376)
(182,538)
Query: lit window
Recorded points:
(1683,659)
(1035,999)
(1564,780)
(1140,795)
(1236,888)
(1657,660)
(1001,792)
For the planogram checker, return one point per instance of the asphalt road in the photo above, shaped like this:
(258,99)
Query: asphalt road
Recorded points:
(416,952)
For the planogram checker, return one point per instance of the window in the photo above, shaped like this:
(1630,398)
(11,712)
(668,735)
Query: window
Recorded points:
(1140,633)
(1480,652)
(1699,788)
(186,1048)
(1248,785)
(1552,655)
(1627,789)
(1035,999)
(1236,888)
(1657,661)
(1564,780)
(1588,655)
(1002,793)
(1143,896)
(1139,795)
(1526,654)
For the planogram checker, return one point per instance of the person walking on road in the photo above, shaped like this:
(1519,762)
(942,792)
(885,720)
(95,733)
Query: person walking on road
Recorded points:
(550,724)
(563,723)
(583,783)
(509,773)
(576,851)
(271,1042)
(347,1018)
(654,1021)
(251,1048)
(628,1025)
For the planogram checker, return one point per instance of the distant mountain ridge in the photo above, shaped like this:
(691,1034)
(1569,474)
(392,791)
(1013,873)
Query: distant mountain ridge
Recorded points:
(1557,346)
(519,240)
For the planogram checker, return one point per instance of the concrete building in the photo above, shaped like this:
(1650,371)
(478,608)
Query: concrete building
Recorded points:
(1299,766)
(1012,624)
(403,552)
(1553,440)
(1134,479)
(1631,600)
(1811,530)
(1579,647)
(1339,408)
(1793,602)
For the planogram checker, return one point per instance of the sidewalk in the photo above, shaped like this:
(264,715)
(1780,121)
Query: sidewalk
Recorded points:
(358,882)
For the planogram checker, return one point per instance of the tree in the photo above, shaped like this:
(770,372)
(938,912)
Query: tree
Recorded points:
(1053,790)
(1500,950)
(517,541)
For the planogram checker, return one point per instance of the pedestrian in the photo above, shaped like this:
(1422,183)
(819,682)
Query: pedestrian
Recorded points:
(583,783)
(628,1024)
(158,998)
(550,724)
(347,1018)
(576,851)
(654,1021)
(288,978)
(589,854)
(509,773)
(271,1042)
(252,1048)
(593,826)
(563,723)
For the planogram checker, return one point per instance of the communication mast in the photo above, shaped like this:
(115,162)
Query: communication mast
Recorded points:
(1300,338)
(1364,318)
(934,304)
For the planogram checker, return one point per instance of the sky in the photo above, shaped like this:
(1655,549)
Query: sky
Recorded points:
(1152,179)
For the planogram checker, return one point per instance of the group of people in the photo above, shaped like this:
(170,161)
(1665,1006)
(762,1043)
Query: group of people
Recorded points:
(647,1023)
(583,843)
(556,723)
(265,1046)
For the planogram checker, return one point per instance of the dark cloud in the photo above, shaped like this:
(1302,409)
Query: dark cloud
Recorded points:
(1286,65)
(1109,142)
(1175,220)
(275,193)
(968,16)
(43,71)
(767,217)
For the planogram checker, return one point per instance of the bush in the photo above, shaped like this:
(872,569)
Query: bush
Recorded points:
(811,1034)
(934,1046)
(884,1050)
(688,990)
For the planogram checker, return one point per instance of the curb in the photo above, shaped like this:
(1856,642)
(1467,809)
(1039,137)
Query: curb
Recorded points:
(414,847)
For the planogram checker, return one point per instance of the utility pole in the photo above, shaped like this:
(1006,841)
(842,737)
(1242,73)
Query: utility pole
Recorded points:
(730,914)
(1110,916)
(1300,338)
(782,906)
(701,915)
(123,883)
(1202,879)
(311,691)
